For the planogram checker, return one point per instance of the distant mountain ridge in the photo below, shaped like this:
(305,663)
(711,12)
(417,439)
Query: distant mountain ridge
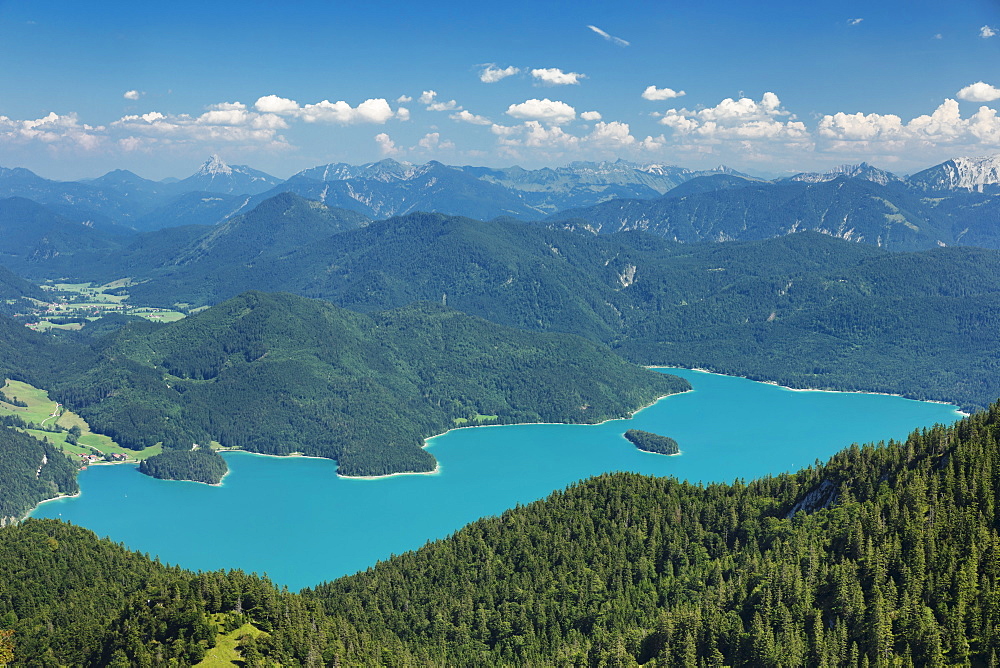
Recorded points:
(122,202)
(860,171)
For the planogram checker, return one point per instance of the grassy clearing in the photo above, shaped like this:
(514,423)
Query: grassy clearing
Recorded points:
(40,411)
(475,419)
(157,315)
(225,654)
(45,325)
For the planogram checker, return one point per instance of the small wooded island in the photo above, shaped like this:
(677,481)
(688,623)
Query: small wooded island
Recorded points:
(650,442)
(201,465)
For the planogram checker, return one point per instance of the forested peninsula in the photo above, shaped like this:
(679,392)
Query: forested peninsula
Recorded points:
(281,374)
(200,465)
(887,554)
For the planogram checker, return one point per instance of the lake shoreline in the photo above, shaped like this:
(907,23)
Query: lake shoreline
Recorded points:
(318,526)
(816,389)
(54,498)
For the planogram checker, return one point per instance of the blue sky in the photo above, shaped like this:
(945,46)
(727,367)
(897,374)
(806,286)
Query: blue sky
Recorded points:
(772,89)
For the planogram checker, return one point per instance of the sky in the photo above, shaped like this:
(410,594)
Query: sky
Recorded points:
(770,88)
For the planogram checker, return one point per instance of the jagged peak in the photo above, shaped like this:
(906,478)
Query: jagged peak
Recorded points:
(215,166)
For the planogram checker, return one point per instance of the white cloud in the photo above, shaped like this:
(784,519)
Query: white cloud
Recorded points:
(552,112)
(553,76)
(652,143)
(403,114)
(132,95)
(614,134)
(429,96)
(938,36)
(591,115)
(276,105)
(54,130)
(375,110)
(854,22)
(607,140)
(943,128)
(268,121)
(532,134)
(450,105)
(654,93)
(986,32)
(737,119)
(225,113)
(985,126)
(979,92)
(468,117)
(492,74)
(404,99)
(860,127)
(611,38)
(385,144)
(432,141)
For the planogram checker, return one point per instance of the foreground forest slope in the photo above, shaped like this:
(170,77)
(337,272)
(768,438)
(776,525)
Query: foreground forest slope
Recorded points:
(278,374)
(885,555)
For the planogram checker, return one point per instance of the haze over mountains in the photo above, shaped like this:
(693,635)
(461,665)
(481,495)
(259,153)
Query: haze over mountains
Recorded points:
(938,197)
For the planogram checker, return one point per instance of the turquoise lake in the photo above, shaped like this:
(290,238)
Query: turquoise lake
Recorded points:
(295,520)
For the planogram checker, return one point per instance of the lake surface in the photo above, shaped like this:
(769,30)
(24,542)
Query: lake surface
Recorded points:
(295,520)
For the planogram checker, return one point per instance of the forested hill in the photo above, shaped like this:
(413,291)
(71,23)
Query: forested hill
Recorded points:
(276,373)
(806,309)
(15,291)
(32,471)
(883,556)
(15,287)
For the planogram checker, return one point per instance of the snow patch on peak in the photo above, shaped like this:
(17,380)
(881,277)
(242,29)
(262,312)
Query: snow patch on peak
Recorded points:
(215,166)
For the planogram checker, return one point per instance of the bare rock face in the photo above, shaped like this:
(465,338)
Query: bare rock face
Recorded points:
(972,174)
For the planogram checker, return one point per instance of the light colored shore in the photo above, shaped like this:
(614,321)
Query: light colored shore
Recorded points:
(54,498)
(813,389)
(436,471)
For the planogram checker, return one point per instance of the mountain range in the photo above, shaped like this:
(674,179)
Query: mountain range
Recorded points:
(122,202)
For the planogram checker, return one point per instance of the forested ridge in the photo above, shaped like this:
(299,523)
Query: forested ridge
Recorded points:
(885,555)
(805,309)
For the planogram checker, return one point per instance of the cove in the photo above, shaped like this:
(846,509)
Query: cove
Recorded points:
(295,520)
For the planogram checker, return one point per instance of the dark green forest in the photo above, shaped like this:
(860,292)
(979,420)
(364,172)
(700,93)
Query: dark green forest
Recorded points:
(278,374)
(31,471)
(886,555)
